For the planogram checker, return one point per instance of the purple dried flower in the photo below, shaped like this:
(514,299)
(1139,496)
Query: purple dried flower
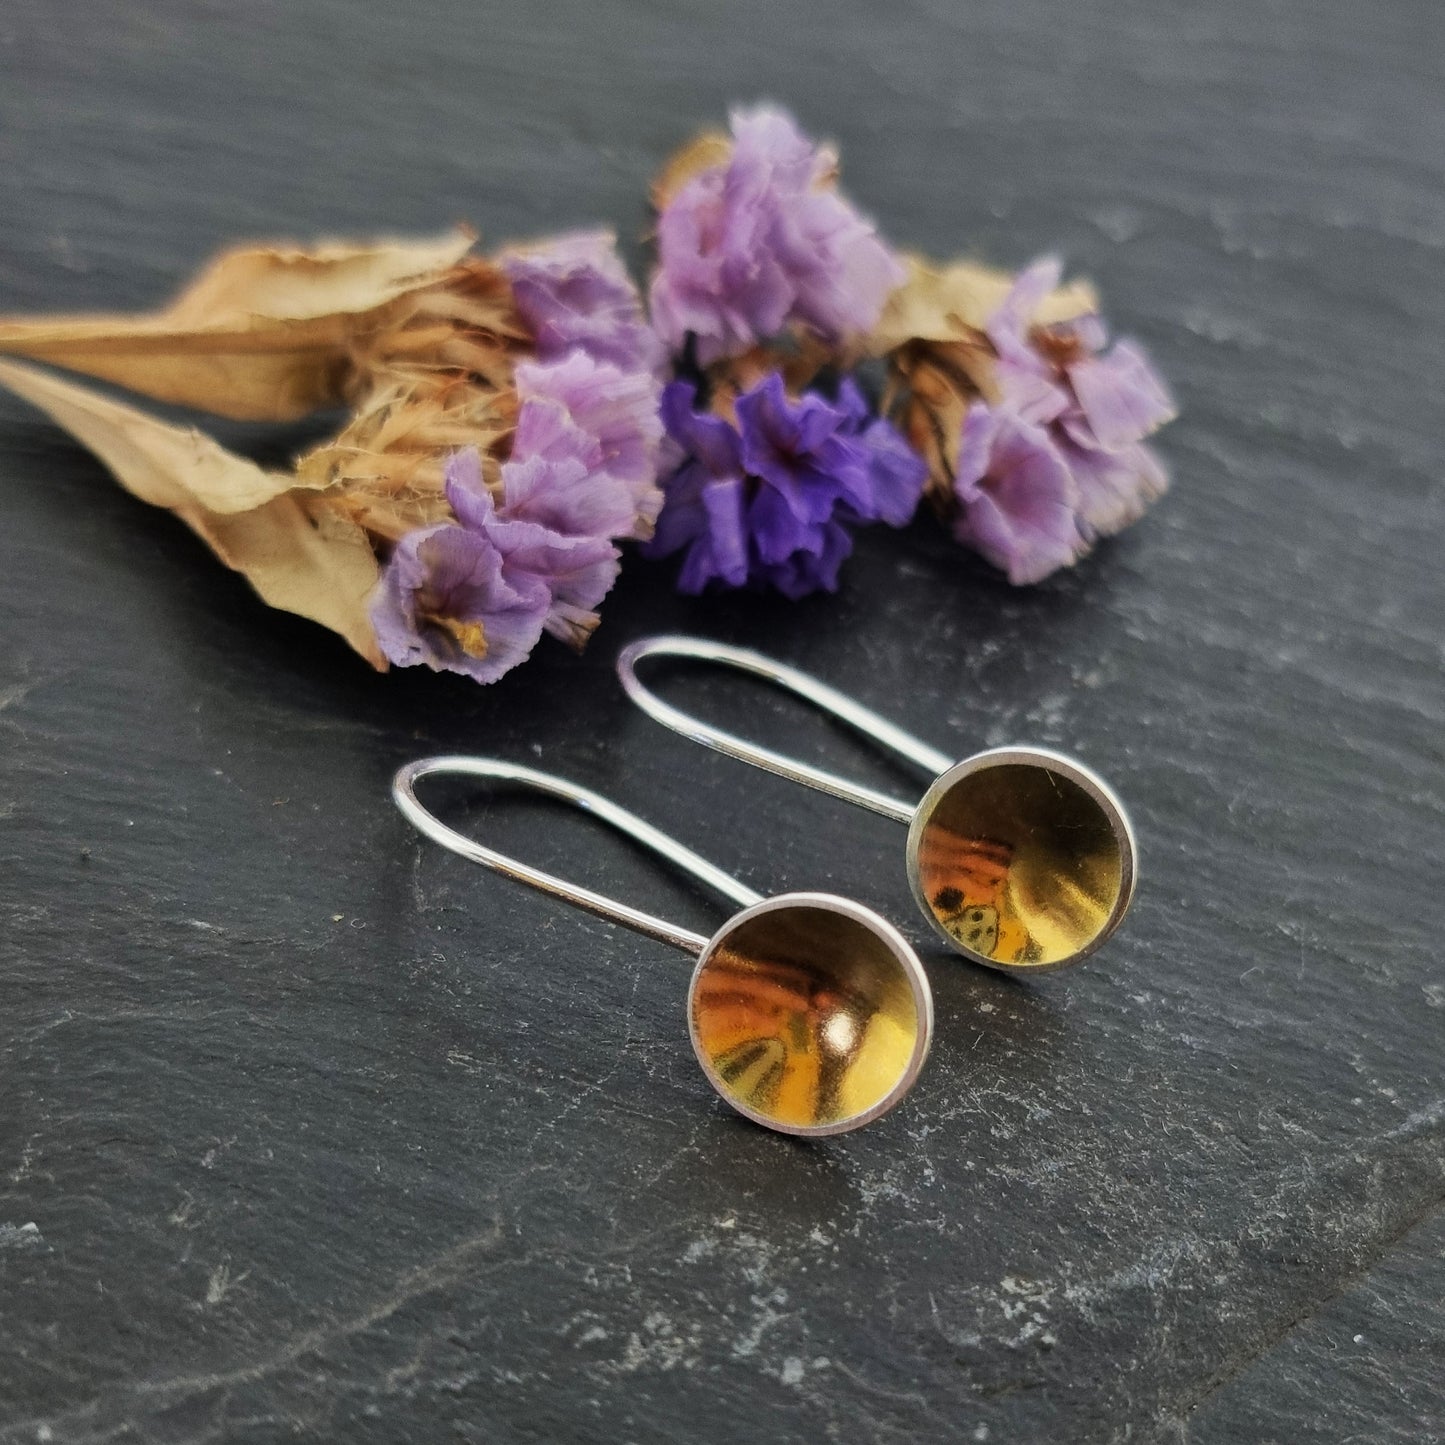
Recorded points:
(1017,499)
(577,571)
(573,292)
(1119,395)
(747,247)
(475,598)
(1115,488)
(771,501)
(895,472)
(447,599)
(579,412)
(1097,405)
(581,471)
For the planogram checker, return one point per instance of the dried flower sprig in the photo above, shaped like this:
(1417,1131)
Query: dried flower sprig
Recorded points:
(754,240)
(507,423)
(538,365)
(766,278)
(1032,433)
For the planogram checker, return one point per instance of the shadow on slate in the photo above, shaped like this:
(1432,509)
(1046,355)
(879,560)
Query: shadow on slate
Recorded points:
(307,1129)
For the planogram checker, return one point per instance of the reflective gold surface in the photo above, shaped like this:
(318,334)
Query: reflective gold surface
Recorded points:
(810,1014)
(1023,859)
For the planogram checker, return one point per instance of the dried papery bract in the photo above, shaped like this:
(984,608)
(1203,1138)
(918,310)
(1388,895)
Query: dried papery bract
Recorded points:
(263,334)
(386,468)
(710,148)
(461,323)
(434,376)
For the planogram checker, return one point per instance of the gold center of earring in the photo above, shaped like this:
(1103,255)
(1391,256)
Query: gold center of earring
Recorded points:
(804,1016)
(1020,864)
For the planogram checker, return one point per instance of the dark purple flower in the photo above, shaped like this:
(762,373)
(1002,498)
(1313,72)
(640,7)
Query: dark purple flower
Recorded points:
(1017,498)
(765,240)
(448,599)
(773,499)
(1096,404)
(573,292)
(705,510)
(895,472)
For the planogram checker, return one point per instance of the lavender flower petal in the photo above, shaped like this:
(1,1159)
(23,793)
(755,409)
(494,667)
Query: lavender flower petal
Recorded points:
(576,572)
(1008,327)
(747,247)
(1115,488)
(619,408)
(579,572)
(1121,395)
(584,452)
(565,497)
(553,487)
(793,448)
(704,509)
(699,433)
(1017,497)
(894,473)
(1095,407)
(719,550)
(446,600)
(573,291)
(813,568)
(466,490)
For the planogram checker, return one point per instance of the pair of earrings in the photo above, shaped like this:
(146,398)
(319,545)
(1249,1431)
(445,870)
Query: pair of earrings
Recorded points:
(809,1013)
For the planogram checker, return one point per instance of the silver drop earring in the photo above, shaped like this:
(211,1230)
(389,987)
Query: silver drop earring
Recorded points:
(1021,858)
(809,1013)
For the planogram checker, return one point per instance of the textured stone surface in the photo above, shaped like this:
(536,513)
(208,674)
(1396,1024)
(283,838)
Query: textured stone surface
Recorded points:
(1366,1367)
(307,1129)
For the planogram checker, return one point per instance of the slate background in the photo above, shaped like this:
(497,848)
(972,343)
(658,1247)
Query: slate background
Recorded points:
(310,1131)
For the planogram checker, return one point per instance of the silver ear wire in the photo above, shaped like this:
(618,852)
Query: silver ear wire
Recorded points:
(403,790)
(829,700)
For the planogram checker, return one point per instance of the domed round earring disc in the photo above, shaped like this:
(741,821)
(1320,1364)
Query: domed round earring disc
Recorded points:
(1022,859)
(810,1014)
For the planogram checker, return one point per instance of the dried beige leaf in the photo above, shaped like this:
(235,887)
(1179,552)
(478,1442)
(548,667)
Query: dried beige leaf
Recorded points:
(167,466)
(949,302)
(302,557)
(262,334)
(296,551)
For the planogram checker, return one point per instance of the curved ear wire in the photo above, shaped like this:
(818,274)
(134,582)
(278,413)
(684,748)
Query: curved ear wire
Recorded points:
(836,704)
(403,790)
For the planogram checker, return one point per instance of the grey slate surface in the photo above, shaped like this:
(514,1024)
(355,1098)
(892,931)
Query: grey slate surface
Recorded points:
(308,1131)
